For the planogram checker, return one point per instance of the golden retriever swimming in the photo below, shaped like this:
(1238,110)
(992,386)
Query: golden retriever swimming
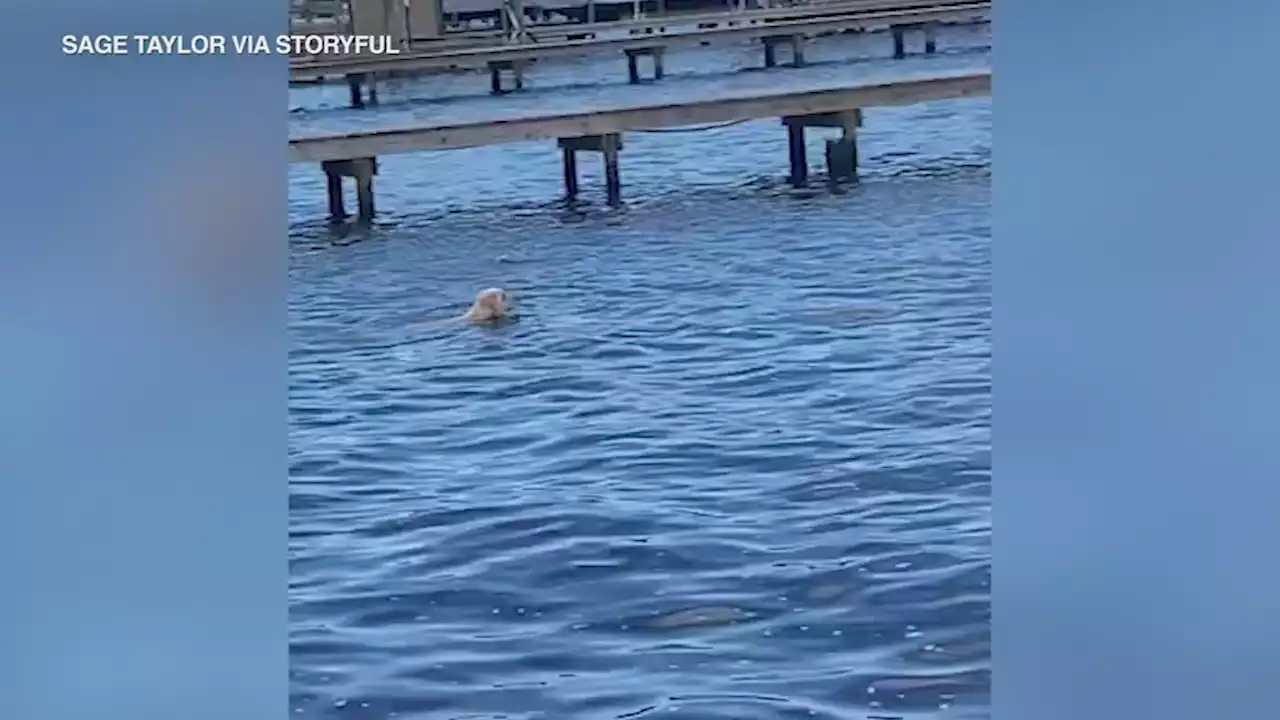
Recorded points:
(491,305)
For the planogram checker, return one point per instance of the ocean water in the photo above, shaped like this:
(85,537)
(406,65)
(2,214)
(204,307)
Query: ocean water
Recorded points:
(732,460)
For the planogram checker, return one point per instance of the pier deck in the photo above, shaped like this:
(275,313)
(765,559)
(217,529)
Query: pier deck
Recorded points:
(499,55)
(455,37)
(354,154)
(419,138)
(663,22)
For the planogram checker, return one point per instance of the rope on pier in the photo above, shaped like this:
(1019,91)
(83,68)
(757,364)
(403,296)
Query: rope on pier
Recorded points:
(700,128)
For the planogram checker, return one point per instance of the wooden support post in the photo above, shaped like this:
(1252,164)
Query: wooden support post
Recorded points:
(495,74)
(354,81)
(373,88)
(930,39)
(610,145)
(853,121)
(899,43)
(798,160)
(363,169)
(797,51)
(794,42)
(633,62)
(570,162)
(364,198)
(333,184)
(841,154)
(842,158)
(495,78)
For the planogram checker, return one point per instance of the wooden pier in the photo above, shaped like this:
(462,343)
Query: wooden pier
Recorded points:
(662,22)
(355,154)
(333,18)
(515,59)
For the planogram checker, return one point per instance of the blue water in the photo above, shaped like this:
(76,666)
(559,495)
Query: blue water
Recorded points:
(732,462)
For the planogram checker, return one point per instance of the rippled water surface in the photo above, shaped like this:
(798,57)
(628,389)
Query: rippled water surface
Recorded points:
(731,462)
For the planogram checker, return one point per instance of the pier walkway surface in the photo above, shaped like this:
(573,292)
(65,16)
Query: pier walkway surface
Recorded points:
(575,84)
(583,90)
(603,121)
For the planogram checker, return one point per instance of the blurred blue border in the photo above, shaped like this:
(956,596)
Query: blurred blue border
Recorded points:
(144,510)
(1135,270)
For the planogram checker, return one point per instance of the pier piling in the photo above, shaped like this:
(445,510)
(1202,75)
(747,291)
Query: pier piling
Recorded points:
(633,63)
(495,74)
(798,160)
(795,42)
(333,186)
(354,153)
(797,50)
(899,42)
(633,70)
(608,145)
(611,144)
(363,170)
(842,159)
(841,153)
(930,39)
(569,158)
(354,82)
